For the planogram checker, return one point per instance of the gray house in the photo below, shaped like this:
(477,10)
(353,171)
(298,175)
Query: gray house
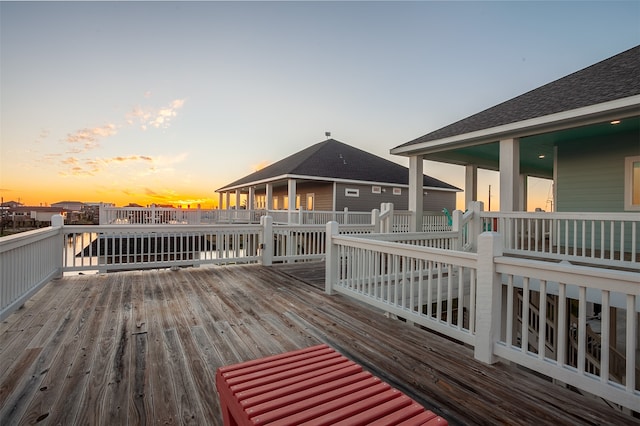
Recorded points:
(582,131)
(332,176)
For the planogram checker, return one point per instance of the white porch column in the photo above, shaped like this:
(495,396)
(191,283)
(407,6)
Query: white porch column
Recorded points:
(251,198)
(269,196)
(509,174)
(237,199)
(220,200)
(291,194)
(524,191)
(470,184)
(228,200)
(416,192)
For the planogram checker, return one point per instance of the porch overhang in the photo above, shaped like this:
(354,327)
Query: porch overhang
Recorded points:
(537,136)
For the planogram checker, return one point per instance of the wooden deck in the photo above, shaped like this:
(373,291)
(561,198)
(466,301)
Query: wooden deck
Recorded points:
(143,348)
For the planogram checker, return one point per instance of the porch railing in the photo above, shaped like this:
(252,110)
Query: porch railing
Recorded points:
(464,295)
(597,238)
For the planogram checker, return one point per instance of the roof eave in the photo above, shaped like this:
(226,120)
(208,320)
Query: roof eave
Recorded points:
(327,179)
(592,114)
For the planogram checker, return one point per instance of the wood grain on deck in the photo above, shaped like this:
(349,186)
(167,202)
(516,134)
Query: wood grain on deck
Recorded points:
(143,348)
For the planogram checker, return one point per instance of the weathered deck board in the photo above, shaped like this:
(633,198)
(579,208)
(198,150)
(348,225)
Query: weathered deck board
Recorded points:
(143,347)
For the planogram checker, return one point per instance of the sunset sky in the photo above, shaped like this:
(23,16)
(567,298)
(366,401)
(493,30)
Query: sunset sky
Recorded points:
(164,102)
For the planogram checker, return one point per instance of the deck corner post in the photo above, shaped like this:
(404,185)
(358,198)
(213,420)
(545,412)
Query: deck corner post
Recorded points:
(267,240)
(57,221)
(332,262)
(375,220)
(488,310)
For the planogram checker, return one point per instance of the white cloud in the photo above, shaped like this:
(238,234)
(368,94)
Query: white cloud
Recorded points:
(90,137)
(158,118)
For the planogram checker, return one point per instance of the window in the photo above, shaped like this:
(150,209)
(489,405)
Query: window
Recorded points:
(397,191)
(351,192)
(376,190)
(310,204)
(632,183)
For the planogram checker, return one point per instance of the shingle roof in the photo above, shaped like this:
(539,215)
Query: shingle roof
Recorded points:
(334,160)
(614,78)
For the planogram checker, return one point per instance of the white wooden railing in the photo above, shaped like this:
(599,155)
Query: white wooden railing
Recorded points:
(610,239)
(464,295)
(31,259)
(27,262)
(179,216)
(578,286)
(421,284)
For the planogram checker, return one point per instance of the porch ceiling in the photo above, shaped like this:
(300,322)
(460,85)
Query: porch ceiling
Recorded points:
(487,156)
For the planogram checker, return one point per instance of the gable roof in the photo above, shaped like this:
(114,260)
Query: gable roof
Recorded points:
(334,160)
(614,78)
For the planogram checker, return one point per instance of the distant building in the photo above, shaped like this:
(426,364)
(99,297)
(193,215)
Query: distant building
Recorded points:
(33,216)
(332,176)
(10,204)
(72,206)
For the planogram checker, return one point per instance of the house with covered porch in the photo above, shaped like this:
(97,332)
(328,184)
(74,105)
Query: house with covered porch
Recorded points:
(333,176)
(581,131)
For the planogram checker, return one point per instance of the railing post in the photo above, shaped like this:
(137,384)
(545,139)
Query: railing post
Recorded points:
(456,226)
(346,216)
(489,297)
(475,224)
(388,227)
(332,262)
(267,240)
(102,214)
(375,220)
(57,221)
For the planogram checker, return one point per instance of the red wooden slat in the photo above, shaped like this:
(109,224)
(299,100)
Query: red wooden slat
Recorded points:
(236,367)
(311,408)
(306,389)
(336,369)
(399,404)
(354,406)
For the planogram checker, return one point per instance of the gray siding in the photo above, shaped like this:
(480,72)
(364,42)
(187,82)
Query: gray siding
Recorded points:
(590,175)
(367,200)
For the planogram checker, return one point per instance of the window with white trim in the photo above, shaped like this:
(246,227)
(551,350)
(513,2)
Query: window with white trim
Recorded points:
(351,192)
(397,191)
(632,183)
(376,189)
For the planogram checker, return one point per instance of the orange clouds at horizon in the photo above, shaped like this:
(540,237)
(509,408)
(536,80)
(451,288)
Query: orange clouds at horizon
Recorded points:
(36,194)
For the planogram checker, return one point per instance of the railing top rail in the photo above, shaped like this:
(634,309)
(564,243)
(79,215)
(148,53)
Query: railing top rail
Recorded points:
(607,279)
(438,255)
(156,228)
(408,236)
(635,216)
(11,242)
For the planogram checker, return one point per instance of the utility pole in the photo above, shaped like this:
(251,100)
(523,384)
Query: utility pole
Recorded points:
(489,198)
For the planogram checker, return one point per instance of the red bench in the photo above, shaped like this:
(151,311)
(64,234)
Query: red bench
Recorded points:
(315,386)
